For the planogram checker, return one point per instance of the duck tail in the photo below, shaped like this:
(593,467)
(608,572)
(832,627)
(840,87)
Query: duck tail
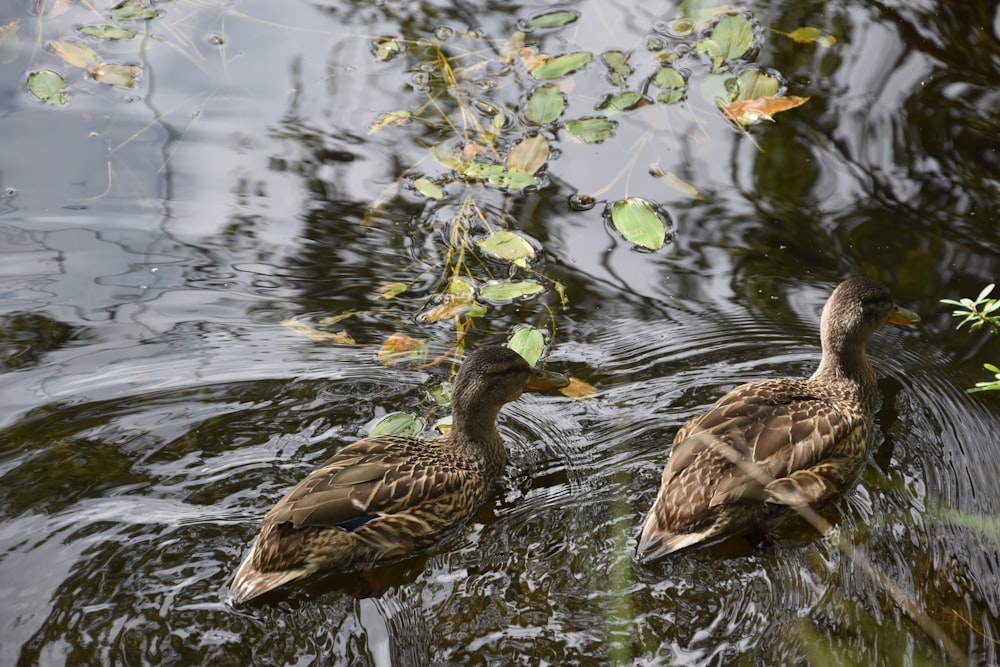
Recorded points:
(249,582)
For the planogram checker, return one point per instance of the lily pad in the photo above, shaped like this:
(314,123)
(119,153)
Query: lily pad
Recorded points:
(810,35)
(108,32)
(546,104)
(734,35)
(719,89)
(398,423)
(48,86)
(427,188)
(591,130)
(560,66)
(637,220)
(551,19)
(752,84)
(529,343)
(618,68)
(398,348)
(133,10)
(499,290)
(75,53)
(508,245)
(673,84)
(122,76)
(529,155)
(625,101)
(391,291)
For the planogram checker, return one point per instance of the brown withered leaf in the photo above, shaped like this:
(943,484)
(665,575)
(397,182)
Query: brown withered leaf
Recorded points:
(748,112)
(398,348)
(577,388)
(76,54)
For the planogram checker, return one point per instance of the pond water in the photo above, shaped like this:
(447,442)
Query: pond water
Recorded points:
(153,240)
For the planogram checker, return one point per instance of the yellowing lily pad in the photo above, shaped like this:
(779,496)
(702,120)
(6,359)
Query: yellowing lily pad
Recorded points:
(577,388)
(752,84)
(122,76)
(10,42)
(108,32)
(398,348)
(337,337)
(428,188)
(76,54)
(133,10)
(391,291)
(637,220)
(529,155)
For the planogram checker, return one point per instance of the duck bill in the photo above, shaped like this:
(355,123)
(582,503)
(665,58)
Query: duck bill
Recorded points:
(545,380)
(901,315)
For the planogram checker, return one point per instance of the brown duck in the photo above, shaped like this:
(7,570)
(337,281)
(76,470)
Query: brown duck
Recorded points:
(389,496)
(766,446)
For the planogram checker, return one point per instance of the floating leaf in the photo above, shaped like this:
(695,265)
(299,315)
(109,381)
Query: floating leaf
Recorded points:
(625,101)
(398,423)
(391,291)
(508,245)
(809,35)
(511,47)
(428,188)
(546,104)
(618,68)
(577,388)
(712,50)
(637,220)
(752,84)
(441,393)
(392,118)
(734,35)
(748,112)
(398,348)
(554,68)
(338,337)
(719,89)
(47,86)
(591,130)
(108,32)
(133,10)
(529,155)
(674,181)
(76,54)
(515,179)
(461,287)
(529,343)
(451,306)
(672,83)
(386,48)
(497,290)
(551,19)
(123,76)
(10,42)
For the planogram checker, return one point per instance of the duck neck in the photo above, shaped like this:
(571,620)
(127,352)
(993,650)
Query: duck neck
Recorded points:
(845,365)
(475,427)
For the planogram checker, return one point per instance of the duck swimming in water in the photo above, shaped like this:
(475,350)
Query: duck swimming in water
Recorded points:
(388,496)
(768,446)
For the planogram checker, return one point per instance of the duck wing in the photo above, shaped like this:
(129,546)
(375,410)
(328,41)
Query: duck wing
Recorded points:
(368,479)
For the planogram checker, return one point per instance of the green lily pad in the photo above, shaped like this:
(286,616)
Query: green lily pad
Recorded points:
(637,220)
(48,86)
(398,423)
(719,88)
(546,104)
(621,102)
(515,179)
(673,84)
(591,130)
(133,10)
(618,68)
(507,245)
(560,66)
(499,290)
(552,19)
(529,343)
(427,188)
(734,36)
(108,32)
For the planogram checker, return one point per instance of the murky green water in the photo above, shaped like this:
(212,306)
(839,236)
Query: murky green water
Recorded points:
(154,407)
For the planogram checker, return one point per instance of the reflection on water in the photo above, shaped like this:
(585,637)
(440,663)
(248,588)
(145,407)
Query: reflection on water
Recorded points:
(154,408)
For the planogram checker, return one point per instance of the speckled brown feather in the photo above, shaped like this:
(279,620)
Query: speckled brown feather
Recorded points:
(386,497)
(766,446)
